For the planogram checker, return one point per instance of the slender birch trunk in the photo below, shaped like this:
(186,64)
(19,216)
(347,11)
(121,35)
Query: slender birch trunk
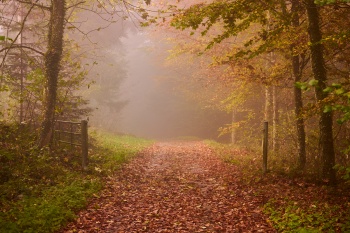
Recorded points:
(300,124)
(275,120)
(233,132)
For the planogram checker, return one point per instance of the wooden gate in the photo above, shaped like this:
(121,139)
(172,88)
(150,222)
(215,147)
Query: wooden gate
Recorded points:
(74,134)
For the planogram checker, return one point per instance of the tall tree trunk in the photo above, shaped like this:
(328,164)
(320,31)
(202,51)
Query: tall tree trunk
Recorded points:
(267,87)
(233,130)
(298,113)
(300,125)
(319,71)
(267,106)
(267,103)
(275,117)
(52,61)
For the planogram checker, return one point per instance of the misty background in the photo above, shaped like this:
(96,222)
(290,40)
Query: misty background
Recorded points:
(132,92)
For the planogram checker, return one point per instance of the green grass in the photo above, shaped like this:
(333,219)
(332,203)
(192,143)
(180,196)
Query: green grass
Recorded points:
(291,216)
(293,204)
(49,211)
(234,154)
(42,191)
(112,151)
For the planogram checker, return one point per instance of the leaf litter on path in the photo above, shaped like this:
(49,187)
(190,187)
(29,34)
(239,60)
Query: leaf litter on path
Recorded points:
(174,187)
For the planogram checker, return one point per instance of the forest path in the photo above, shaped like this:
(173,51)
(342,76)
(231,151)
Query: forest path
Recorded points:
(174,187)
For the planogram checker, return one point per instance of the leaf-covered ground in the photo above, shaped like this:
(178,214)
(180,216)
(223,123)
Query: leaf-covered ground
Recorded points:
(175,187)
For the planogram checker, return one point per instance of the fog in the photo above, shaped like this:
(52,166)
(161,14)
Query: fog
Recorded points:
(134,93)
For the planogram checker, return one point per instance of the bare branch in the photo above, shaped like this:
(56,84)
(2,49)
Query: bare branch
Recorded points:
(35,4)
(86,34)
(97,13)
(76,4)
(19,33)
(21,47)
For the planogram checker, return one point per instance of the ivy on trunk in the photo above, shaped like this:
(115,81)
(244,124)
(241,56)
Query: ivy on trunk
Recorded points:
(52,61)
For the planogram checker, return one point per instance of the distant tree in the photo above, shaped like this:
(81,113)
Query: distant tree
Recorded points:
(261,27)
(276,26)
(58,14)
(18,52)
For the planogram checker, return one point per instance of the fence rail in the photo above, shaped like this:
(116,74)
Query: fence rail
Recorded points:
(73,130)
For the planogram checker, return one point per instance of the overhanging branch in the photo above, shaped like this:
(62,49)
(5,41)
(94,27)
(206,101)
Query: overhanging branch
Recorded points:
(35,4)
(21,47)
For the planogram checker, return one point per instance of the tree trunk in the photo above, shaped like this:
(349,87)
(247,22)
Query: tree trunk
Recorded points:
(233,130)
(300,125)
(275,116)
(298,114)
(267,103)
(52,61)
(319,71)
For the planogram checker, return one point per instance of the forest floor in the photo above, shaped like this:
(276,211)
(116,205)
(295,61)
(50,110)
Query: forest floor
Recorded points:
(175,187)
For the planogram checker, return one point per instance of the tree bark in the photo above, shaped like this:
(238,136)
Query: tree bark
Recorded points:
(233,130)
(52,61)
(319,71)
(300,124)
(275,119)
(267,103)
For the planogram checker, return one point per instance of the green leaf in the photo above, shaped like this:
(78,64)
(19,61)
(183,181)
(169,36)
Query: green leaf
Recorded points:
(327,108)
(336,85)
(347,94)
(340,121)
(340,91)
(2,38)
(298,84)
(302,85)
(313,82)
(328,89)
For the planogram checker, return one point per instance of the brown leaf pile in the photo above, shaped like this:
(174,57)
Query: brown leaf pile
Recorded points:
(174,187)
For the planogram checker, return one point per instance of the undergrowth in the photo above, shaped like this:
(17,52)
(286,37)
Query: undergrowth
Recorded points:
(111,151)
(292,200)
(291,216)
(40,191)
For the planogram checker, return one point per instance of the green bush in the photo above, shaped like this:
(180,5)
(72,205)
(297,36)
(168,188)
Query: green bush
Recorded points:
(344,172)
(49,212)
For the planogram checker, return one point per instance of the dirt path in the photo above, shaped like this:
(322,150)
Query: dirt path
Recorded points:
(174,187)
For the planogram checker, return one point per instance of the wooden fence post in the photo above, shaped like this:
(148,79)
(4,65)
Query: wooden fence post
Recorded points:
(265,145)
(59,131)
(84,143)
(71,135)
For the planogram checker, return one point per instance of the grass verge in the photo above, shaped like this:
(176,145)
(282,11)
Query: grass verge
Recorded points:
(292,202)
(42,191)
